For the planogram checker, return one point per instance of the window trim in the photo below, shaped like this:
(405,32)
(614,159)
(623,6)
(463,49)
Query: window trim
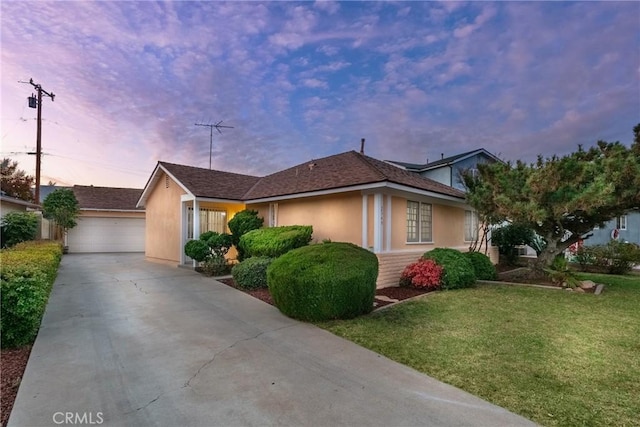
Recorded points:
(621,222)
(419,222)
(474,219)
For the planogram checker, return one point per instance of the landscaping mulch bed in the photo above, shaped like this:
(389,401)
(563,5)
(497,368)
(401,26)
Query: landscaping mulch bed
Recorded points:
(12,364)
(395,293)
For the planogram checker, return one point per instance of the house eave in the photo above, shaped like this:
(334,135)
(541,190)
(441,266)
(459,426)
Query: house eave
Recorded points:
(362,187)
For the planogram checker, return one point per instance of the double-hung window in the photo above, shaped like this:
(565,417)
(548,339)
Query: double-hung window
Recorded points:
(621,222)
(470,226)
(419,222)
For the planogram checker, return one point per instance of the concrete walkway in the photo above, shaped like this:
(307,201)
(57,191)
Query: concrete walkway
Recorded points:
(125,342)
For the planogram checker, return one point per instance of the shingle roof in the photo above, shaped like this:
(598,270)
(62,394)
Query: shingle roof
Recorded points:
(328,173)
(338,171)
(107,198)
(211,183)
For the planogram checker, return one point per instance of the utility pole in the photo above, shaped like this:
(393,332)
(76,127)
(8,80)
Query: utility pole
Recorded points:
(211,126)
(37,103)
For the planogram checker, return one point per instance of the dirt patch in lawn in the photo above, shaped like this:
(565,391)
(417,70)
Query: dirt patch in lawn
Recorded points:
(12,364)
(384,296)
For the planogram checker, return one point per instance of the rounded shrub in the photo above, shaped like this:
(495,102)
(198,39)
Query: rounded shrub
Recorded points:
(482,266)
(275,241)
(324,281)
(457,269)
(197,250)
(422,274)
(241,223)
(252,272)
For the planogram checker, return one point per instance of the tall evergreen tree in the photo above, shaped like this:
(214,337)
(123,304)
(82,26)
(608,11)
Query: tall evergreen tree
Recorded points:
(561,198)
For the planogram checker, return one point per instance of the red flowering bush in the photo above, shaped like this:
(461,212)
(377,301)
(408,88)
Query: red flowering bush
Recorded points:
(422,274)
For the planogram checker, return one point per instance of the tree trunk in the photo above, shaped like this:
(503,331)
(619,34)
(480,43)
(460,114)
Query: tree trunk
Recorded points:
(555,247)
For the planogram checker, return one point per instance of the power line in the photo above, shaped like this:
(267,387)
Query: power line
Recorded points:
(211,126)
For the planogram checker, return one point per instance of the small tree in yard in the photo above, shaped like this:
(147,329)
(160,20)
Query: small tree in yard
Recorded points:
(210,249)
(61,206)
(561,198)
(241,223)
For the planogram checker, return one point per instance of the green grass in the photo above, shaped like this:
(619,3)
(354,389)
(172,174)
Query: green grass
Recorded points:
(555,357)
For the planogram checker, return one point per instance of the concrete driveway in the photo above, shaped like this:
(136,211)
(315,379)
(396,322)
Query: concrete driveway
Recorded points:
(125,342)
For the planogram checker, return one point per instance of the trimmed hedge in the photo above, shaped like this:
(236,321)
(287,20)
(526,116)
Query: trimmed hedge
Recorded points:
(482,266)
(252,272)
(324,281)
(28,272)
(275,241)
(457,269)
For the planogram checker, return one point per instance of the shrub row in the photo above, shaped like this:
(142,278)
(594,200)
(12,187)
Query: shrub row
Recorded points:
(324,281)
(28,272)
(614,257)
(448,269)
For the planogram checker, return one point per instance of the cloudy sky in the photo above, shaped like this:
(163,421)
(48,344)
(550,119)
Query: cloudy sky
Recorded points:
(303,80)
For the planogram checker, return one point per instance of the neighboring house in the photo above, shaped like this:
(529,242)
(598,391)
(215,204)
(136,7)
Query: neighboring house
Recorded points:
(109,220)
(448,170)
(625,228)
(348,197)
(11,204)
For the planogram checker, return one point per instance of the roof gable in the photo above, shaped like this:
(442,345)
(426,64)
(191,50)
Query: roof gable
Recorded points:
(107,198)
(210,183)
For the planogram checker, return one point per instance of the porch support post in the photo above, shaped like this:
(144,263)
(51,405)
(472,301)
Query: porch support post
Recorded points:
(377,223)
(183,230)
(387,224)
(196,223)
(365,220)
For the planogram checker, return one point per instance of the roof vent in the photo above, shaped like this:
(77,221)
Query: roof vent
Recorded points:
(312,165)
(362,146)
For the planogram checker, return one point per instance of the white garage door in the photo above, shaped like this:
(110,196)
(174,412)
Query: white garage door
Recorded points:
(107,235)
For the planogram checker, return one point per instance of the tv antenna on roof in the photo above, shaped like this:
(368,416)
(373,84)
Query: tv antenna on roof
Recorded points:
(217,126)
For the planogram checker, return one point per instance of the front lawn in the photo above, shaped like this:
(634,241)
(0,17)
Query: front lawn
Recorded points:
(555,357)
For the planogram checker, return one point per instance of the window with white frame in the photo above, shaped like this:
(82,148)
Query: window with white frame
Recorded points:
(210,220)
(273,214)
(470,226)
(621,222)
(419,222)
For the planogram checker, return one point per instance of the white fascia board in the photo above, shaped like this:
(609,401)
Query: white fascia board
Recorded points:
(318,193)
(426,193)
(187,198)
(364,187)
(232,201)
(153,181)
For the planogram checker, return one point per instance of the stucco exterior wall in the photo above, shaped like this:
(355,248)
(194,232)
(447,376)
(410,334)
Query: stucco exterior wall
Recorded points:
(448,227)
(162,228)
(337,217)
